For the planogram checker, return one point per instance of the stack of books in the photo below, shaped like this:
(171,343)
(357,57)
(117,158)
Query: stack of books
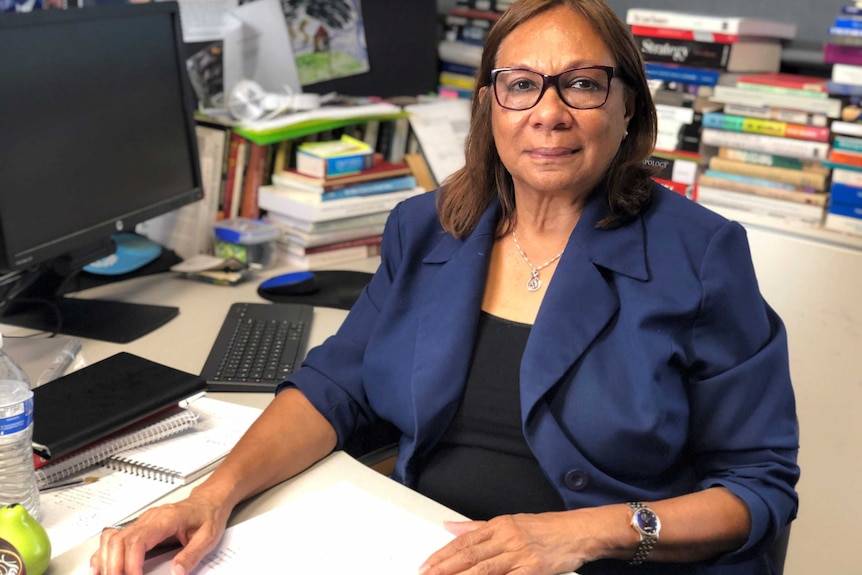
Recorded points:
(330,220)
(687,55)
(465,28)
(844,52)
(768,148)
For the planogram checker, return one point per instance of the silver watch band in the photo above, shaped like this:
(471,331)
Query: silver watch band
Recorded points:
(647,541)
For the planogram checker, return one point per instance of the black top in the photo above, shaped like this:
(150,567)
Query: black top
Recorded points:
(482,466)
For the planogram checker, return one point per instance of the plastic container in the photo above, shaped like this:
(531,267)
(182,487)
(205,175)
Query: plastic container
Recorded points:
(249,241)
(17,474)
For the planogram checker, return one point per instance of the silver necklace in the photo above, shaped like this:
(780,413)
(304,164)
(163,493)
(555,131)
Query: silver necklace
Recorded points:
(534,283)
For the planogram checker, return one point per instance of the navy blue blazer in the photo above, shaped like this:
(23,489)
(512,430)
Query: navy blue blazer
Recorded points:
(653,369)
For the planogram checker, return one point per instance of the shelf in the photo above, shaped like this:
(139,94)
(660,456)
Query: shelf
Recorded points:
(789,227)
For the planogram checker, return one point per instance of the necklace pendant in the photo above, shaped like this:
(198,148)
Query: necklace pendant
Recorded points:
(534,283)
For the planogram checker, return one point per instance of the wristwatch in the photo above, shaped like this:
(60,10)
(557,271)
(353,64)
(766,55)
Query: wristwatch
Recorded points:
(647,525)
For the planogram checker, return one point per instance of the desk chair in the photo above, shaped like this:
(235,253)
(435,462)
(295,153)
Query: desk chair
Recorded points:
(778,552)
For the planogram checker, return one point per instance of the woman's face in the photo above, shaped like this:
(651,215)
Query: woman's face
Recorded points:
(552,148)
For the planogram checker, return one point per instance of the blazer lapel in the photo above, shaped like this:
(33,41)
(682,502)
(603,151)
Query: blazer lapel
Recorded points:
(580,300)
(447,327)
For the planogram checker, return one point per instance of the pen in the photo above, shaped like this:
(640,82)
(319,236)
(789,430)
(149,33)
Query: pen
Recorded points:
(73,483)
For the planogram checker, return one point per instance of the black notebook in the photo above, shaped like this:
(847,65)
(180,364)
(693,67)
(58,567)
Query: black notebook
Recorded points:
(91,403)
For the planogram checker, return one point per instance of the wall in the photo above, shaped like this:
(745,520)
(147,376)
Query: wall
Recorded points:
(815,288)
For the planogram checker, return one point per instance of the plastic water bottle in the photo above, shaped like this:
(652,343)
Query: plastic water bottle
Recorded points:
(17,474)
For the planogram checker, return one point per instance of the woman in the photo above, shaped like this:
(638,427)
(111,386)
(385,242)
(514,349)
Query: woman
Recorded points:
(575,357)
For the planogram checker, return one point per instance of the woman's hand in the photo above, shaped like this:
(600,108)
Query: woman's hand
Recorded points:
(542,544)
(196,523)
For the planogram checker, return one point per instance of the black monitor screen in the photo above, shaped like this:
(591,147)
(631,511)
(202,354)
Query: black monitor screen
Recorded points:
(98,132)
(97,119)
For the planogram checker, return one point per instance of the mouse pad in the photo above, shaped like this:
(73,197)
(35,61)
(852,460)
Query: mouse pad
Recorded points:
(335,288)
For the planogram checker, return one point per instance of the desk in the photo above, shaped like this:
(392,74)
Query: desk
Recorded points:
(337,467)
(185,341)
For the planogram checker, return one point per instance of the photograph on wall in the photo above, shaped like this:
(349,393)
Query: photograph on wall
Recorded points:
(328,38)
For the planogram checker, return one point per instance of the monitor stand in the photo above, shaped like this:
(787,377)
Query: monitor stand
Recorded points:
(105,320)
(40,304)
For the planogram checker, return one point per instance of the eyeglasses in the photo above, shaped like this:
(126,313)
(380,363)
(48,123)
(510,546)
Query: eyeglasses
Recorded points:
(579,88)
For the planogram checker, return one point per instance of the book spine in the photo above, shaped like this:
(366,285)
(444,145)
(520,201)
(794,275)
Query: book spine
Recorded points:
(843,31)
(847,210)
(675,170)
(769,144)
(321,167)
(777,114)
(684,52)
(837,54)
(847,128)
(684,34)
(847,74)
(767,127)
(848,22)
(253,180)
(371,188)
(763,205)
(686,190)
(847,144)
(461,81)
(814,180)
(668,19)
(731,95)
(786,90)
(843,157)
(276,201)
(763,159)
(849,177)
(670,73)
(678,114)
(816,199)
(846,194)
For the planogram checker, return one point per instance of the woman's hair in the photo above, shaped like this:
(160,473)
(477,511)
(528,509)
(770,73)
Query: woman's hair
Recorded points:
(466,194)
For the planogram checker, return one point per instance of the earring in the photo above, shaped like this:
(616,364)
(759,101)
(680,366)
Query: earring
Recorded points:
(626,135)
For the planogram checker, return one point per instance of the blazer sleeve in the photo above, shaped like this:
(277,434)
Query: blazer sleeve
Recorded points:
(331,375)
(744,430)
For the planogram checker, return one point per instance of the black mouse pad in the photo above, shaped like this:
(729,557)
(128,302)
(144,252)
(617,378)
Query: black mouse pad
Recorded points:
(335,288)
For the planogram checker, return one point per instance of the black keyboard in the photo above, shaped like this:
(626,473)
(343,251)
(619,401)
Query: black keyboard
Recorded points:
(258,345)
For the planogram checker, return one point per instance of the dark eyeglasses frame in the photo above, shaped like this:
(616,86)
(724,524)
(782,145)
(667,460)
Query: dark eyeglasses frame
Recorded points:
(553,79)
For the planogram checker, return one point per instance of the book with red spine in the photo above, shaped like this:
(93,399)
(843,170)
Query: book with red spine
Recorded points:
(785,80)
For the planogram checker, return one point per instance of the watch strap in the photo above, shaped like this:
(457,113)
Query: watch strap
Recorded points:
(647,541)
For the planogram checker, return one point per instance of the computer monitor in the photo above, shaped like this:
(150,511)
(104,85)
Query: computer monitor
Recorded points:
(98,128)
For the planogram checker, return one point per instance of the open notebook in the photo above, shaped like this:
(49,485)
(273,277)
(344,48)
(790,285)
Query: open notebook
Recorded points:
(132,479)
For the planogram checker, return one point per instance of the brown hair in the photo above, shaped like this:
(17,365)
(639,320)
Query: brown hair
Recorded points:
(466,194)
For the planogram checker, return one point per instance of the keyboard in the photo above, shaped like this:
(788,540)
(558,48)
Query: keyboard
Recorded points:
(258,345)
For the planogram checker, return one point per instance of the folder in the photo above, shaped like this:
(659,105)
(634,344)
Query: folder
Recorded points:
(107,396)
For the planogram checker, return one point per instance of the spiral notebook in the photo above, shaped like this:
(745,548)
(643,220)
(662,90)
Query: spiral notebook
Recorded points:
(68,465)
(190,454)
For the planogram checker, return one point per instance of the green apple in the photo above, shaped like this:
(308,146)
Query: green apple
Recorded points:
(22,538)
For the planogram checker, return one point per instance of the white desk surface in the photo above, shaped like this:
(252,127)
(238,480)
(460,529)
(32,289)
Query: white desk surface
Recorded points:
(335,468)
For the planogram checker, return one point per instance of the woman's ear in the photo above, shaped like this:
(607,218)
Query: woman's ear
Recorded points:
(483,91)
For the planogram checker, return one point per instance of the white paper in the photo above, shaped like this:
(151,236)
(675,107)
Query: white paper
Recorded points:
(441,128)
(339,529)
(257,47)
(202,20)
(73,515)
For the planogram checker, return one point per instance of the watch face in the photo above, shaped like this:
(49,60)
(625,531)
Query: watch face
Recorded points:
(647,521)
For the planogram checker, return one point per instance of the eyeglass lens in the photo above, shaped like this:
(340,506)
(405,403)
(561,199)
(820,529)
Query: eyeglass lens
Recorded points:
(582,88)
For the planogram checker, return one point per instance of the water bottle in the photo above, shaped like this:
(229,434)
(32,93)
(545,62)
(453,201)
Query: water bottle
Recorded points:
(17,474)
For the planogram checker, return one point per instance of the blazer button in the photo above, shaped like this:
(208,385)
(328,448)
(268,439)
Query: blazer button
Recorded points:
(577,480)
